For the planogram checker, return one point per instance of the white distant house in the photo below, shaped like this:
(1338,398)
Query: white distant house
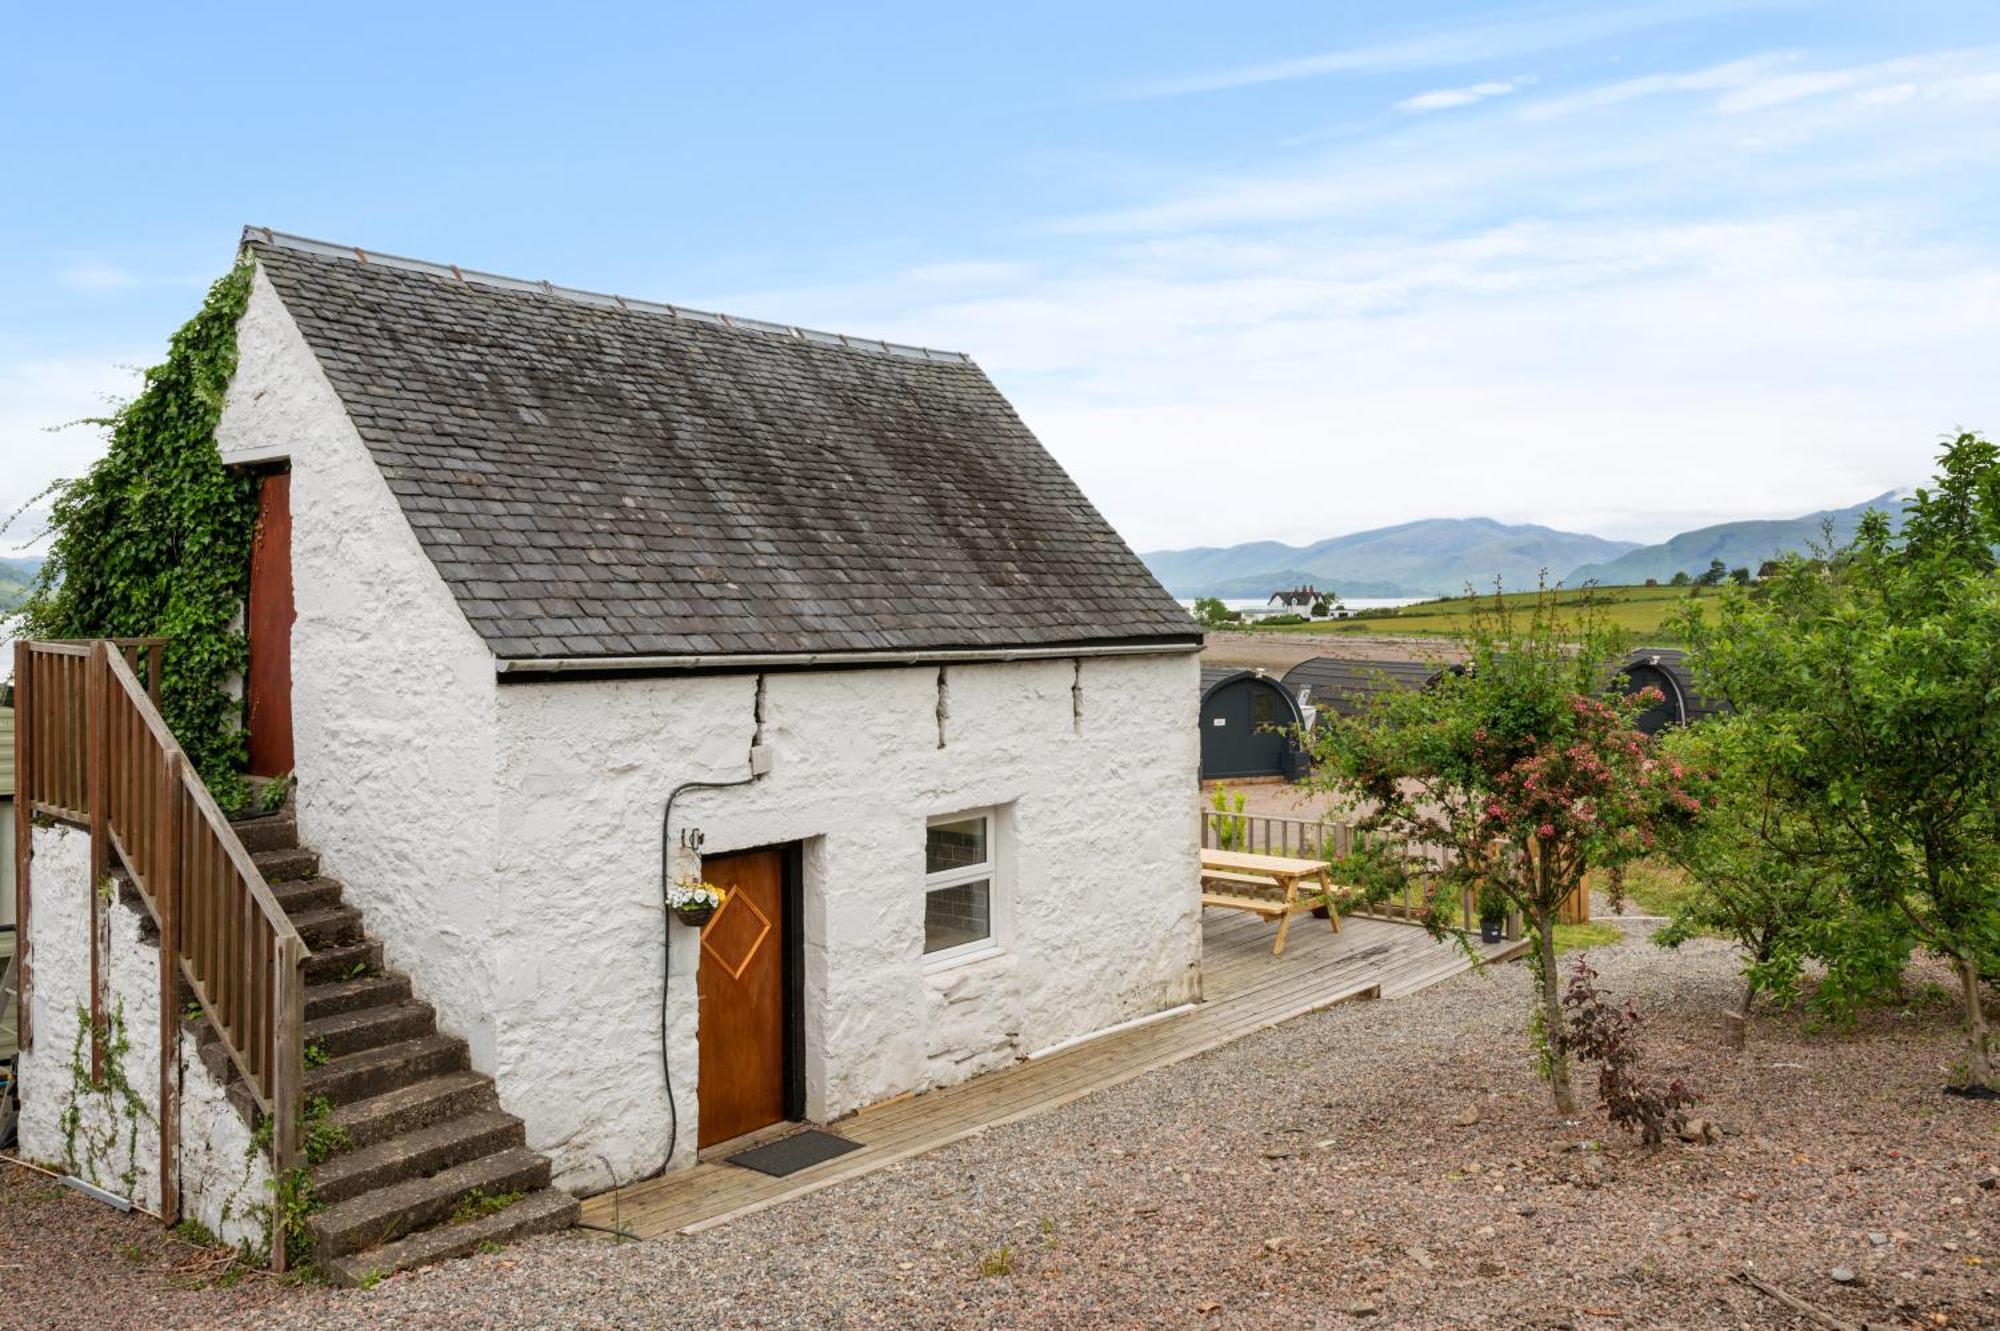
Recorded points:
(582,595)
(1305,601)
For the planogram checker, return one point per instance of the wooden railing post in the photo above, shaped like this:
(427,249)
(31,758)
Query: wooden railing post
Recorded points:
(97,765)
(287,1079)
(25,702)
(166,902)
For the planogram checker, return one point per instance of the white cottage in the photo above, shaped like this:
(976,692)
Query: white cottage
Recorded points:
(559,597)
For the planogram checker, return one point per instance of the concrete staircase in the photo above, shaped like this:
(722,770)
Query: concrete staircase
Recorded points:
(428,1166)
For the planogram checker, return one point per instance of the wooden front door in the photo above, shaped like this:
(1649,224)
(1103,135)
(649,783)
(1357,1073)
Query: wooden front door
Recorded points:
(741,981)
(267,682)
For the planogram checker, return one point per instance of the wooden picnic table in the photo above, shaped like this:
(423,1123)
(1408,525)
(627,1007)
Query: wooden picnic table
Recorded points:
(1266,885)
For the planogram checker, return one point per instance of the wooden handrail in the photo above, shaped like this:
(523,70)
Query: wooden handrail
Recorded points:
(95,750)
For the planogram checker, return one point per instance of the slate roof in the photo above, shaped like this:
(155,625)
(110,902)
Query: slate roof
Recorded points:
(596,477)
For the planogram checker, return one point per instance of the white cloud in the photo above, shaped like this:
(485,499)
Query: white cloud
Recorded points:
(95,275)
(1732,74)
(1444,99)
(37,396)
(1629,328)
(1773,80)
(1459,46)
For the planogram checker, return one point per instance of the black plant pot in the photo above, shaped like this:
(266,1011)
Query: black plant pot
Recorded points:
(694,916)
(1492,931)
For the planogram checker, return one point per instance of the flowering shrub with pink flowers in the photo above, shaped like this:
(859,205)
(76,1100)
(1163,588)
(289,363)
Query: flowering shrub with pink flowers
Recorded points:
(1517,771)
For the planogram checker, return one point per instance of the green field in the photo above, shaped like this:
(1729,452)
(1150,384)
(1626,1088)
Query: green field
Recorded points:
(1640,611)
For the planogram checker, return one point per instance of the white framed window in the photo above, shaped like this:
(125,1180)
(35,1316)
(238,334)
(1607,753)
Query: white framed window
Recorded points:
(961,887)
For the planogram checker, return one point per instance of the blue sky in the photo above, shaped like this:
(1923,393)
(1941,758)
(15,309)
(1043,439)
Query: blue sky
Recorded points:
(1270,271)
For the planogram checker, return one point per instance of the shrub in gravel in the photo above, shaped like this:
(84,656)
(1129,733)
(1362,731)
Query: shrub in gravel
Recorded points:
(1601,1032)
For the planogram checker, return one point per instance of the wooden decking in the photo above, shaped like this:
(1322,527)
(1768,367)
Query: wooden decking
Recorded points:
(1245,989)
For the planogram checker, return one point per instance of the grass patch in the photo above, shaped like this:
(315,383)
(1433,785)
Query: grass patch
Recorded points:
(1641,611)
(476,1205)
(1577,937)
(1657,888)
(999,1262)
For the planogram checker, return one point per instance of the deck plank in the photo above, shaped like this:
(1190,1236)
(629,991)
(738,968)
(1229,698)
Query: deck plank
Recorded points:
(1245,989)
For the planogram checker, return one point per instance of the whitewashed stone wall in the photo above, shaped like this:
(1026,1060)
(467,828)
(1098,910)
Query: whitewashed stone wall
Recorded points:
(225,1184)
(392,691)
(1099,903)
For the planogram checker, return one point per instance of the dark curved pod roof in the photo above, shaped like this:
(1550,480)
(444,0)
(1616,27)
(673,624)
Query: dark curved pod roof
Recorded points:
(1344,685)
(1666,669)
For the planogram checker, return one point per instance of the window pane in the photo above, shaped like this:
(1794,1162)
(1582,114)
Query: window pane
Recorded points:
(955,845)
(954,916)
(1263,709)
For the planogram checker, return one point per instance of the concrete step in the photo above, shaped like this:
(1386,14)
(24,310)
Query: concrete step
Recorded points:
(298,895)
(279,866)
(386,1214)
(370,1028)
(275,831)
(414,1155)
(373,1071)
(327,964)
(331,927)
(331,996)
(544,1211)
(414,1107)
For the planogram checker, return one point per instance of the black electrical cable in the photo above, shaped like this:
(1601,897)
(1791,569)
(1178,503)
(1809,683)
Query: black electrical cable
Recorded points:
(667,942)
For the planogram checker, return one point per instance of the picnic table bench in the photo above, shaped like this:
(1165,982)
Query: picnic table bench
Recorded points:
(1266,885)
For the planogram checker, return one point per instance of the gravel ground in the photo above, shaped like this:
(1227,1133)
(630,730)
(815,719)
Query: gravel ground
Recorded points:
(1326,1173)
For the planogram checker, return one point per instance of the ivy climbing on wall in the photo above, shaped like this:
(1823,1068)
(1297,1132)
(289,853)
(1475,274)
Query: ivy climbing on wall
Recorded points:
(100,1120)
(154,540)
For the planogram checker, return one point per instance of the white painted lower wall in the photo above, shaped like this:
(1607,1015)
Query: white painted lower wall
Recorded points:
(108,1134)
(1098,858)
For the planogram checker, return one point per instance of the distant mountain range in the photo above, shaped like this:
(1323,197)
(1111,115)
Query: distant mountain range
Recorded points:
(1442,556)
(1736,544)
(16,576)
(1433,557)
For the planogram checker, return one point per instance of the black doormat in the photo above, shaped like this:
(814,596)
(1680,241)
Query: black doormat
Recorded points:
(789,1155)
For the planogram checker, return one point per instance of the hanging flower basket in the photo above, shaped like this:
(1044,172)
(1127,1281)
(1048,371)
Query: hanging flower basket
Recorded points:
(694,902)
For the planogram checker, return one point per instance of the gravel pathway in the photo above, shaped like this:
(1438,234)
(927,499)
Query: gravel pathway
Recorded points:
(1330,1173)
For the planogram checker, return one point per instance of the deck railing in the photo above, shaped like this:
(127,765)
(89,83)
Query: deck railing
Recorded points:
(1327,839)
(92,749)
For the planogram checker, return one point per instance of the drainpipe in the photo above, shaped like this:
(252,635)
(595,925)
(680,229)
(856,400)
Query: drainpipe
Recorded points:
(691,839)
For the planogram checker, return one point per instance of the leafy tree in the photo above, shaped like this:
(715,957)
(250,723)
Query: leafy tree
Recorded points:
(1740,575)
(1713,575)
(1321,609)
(1867,689)
(1211,613)
(1680,579)
(1757,883)
(1521,769)
(154,540)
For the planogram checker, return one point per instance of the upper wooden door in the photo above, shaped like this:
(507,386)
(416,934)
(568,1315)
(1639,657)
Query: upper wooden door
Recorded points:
(267,682)
(741,981)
